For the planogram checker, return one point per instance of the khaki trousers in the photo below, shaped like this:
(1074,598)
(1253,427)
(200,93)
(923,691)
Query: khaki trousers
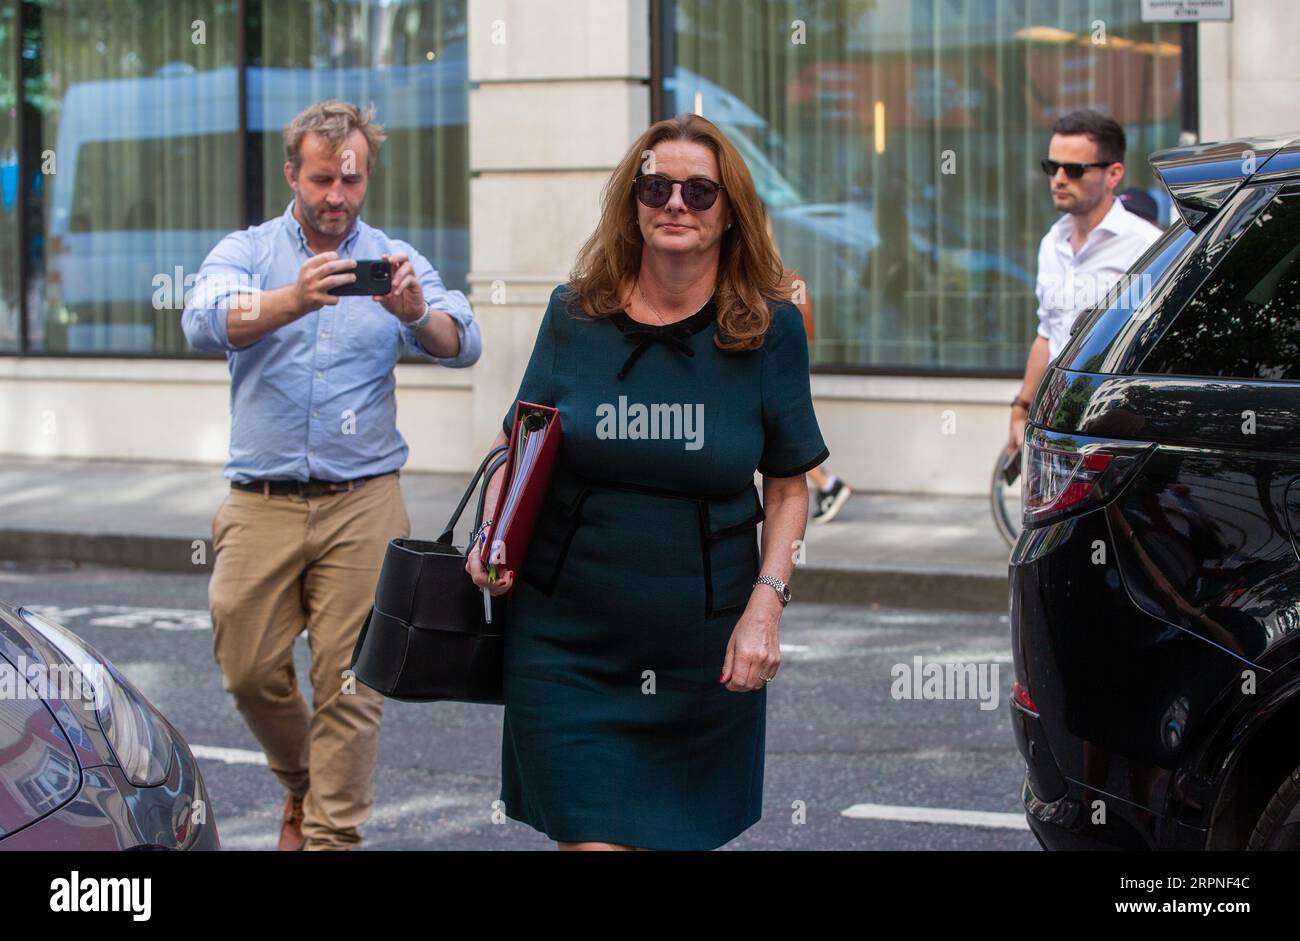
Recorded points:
(285,564)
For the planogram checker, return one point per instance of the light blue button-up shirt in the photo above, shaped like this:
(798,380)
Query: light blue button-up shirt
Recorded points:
(314,398)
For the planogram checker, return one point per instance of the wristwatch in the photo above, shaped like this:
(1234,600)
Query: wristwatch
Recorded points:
(1019,401)
(420,321)
(782,589)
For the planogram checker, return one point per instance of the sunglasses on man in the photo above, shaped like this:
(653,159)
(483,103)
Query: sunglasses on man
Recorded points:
(1074,171)
(699,193)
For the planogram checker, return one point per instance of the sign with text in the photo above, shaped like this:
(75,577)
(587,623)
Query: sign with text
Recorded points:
(1186,11)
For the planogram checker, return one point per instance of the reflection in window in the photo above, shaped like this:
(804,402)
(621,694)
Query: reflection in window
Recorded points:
(138,116)
(897,144)
(408,59)
(1242,323)
(139,113)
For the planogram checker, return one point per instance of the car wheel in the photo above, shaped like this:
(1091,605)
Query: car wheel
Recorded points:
(1279,826)
(1004,497)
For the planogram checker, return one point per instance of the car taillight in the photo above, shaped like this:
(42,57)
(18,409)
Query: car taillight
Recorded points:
(1065,474)
(1021,697)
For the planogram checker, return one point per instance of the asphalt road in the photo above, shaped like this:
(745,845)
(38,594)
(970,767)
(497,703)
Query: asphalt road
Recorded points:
(849,764)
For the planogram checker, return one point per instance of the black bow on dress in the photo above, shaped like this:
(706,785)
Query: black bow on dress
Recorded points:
(646,335)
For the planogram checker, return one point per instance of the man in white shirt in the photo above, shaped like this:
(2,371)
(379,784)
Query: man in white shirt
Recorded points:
(1087,250)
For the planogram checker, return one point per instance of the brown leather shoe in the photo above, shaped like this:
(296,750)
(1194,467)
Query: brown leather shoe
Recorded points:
(291,838)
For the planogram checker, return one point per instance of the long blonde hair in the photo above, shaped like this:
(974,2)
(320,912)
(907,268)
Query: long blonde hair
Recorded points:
(749,269)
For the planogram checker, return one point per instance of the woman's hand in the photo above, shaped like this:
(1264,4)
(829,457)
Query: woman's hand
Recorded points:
(478,573)
(754,650)
(473,561)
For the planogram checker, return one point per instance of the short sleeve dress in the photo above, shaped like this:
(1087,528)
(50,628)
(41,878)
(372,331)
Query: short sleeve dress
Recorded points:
(644,556)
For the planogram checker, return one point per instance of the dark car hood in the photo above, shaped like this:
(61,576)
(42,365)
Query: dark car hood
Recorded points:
(18,640)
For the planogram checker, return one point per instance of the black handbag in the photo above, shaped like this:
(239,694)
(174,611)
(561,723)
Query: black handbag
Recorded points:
(426,637)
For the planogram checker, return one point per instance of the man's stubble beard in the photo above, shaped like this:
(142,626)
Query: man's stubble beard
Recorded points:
(314,220)
(1080,208)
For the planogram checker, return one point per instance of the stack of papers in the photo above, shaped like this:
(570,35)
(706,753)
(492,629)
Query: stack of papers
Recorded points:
(530,446)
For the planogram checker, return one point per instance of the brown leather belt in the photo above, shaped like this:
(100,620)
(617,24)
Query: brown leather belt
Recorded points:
(313,487)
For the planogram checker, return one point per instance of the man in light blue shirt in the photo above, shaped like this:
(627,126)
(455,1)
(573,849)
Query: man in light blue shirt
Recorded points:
(314,460)
(309,361)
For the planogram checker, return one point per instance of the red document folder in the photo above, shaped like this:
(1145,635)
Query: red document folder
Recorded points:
(534,445)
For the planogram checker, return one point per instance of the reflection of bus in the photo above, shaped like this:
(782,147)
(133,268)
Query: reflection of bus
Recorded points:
(145,183)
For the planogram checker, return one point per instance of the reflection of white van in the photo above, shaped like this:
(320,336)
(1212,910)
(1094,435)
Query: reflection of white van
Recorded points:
(832,240)
(829,243)
(130,201)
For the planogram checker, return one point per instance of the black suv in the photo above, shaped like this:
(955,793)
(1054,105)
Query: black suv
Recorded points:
(1155,589)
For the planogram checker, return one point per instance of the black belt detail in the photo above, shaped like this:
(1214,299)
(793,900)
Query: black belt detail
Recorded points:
(312,487)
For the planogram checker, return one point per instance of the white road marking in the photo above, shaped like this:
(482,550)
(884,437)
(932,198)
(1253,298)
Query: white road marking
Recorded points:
(231,756)
(126,616)
(963,818)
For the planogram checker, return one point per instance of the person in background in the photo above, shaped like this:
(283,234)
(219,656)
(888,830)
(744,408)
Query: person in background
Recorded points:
(832,492)
(1139,202)
(314,459)
(1089,248)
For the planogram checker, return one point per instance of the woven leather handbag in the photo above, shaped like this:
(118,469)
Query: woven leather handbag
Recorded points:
(426,638)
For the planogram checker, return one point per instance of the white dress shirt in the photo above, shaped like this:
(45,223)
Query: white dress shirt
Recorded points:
(1069,283)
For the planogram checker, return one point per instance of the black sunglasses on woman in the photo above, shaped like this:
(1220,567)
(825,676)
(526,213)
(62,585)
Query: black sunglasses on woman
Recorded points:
(699,193)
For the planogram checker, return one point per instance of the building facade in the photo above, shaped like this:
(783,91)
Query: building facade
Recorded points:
(895,142)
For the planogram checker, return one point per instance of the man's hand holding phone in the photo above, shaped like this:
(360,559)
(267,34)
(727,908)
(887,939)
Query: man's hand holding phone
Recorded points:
(405,300)
(1016,435)
(322,280)
(320,274)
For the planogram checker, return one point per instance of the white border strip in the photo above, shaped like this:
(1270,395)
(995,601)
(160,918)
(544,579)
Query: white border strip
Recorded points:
(231,756)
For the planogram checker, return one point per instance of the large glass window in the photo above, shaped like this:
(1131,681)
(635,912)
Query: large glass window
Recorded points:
(896,143)
(408,59)
(140,158)
(137,166)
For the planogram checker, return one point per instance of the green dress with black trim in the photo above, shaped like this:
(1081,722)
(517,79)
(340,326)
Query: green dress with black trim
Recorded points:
(644,556)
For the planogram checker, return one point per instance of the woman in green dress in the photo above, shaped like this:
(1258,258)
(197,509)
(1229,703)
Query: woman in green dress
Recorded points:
(643,630)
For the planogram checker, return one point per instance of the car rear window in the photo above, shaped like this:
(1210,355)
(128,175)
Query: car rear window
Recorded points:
(1244,321)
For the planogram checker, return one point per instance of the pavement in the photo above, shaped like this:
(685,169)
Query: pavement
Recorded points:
(882,550)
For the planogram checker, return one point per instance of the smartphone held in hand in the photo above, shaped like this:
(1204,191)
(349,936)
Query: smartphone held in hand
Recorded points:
(374,278)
